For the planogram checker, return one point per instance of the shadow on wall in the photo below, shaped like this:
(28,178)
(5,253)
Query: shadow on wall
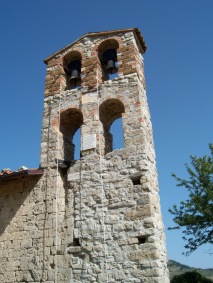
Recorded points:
(15,204)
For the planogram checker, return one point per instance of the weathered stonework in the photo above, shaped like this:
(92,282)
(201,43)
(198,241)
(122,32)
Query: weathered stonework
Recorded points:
(99,220)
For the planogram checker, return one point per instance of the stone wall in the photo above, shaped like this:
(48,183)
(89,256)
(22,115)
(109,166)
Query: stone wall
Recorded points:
(30,245)
(21,233)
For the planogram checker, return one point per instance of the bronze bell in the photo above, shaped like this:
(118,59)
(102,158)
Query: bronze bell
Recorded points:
(110,57)
(74,71)
(75,75)
(111,67)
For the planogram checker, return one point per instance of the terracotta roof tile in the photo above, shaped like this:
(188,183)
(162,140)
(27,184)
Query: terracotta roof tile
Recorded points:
(7,174)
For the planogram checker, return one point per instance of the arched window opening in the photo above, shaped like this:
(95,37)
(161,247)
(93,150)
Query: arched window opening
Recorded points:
(72,68)
(116,131)
(77,144)
(70,123)
(111,110)
(107,51)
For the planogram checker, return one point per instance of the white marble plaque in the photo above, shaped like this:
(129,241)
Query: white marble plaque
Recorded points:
(87,98)
(88,141)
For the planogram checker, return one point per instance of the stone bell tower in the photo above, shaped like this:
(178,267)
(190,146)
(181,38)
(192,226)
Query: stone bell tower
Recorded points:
(104,208)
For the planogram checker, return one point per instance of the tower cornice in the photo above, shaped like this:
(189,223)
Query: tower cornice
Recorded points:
(137,33)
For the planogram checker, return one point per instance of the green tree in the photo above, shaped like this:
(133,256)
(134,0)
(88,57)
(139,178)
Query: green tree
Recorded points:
(195,215)
(190,277)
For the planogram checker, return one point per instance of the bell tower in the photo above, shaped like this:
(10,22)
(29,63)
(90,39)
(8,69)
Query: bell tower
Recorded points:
(105,209)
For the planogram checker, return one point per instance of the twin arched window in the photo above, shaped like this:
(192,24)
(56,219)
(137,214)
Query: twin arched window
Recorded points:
(72,119)
(107,59)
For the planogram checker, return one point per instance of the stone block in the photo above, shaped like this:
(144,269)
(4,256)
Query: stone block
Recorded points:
(143,255)
(139,212)
(129,241)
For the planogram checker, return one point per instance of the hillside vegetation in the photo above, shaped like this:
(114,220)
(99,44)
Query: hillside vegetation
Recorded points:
(176,268)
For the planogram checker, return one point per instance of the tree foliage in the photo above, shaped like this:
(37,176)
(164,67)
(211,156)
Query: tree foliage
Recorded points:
(195,215)
(189,277)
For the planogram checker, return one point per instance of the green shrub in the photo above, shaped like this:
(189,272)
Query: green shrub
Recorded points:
(190,277)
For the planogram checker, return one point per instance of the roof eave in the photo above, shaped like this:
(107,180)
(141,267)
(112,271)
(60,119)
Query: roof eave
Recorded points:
(17,175)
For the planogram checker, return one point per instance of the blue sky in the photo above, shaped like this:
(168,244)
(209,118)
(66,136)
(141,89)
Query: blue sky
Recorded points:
(178,69)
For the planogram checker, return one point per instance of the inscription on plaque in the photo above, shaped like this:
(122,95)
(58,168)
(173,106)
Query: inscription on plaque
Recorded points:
(88,141)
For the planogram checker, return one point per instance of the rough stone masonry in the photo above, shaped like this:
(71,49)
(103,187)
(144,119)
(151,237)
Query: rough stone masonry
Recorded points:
(96,219)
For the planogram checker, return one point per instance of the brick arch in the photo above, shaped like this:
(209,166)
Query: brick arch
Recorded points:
(100,42)
(64,110)
(71,55)
(110,110)
(70,121)
(75,48)
(107,44)
(122,99)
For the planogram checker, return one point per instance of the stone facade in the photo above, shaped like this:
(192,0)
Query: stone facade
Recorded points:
(100,219)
